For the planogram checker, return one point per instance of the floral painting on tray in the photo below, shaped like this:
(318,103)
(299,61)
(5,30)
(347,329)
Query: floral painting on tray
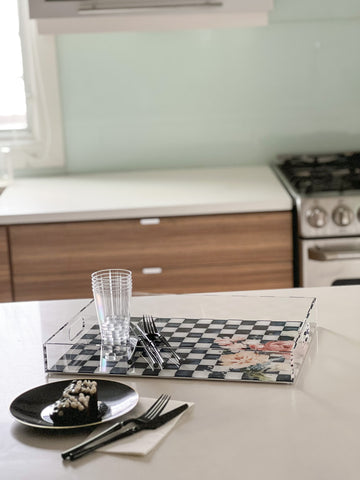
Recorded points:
(256,360)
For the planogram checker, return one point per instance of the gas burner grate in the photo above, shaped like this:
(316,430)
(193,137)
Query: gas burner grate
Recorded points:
(322,173)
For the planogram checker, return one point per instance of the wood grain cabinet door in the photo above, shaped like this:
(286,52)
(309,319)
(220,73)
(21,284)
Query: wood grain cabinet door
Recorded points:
(5,277)
(173,254)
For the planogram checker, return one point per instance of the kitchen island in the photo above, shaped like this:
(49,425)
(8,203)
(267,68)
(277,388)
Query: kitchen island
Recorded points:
(179,231)
(235,429)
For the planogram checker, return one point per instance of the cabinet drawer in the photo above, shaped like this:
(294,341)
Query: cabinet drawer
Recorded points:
(204,240)
(211,278)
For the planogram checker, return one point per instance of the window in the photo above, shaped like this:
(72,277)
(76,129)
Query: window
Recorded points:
(30,116)
(12,87)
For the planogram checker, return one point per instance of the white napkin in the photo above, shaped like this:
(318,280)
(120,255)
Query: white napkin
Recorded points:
(145,441)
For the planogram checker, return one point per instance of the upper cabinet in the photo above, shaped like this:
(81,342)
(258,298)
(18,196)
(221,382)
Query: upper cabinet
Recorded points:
(82,16)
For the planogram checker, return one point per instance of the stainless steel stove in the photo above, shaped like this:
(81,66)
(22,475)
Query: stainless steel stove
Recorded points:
(326,194)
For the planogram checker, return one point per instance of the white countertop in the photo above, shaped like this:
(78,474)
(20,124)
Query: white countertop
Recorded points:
(139,194)
(309,430)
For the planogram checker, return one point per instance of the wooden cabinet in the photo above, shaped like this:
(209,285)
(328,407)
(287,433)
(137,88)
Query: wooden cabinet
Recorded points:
(5,277)
(168,255)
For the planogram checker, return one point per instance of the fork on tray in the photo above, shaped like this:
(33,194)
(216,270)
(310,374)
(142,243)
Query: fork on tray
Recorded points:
(153,334)
(151,351)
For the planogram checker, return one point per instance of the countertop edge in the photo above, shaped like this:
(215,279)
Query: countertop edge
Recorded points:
(139,213)
(178,193)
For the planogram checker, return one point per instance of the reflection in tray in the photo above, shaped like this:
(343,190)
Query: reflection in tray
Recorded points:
(262,350)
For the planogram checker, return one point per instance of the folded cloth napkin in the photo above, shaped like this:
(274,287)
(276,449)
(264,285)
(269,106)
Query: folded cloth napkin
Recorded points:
(145,441)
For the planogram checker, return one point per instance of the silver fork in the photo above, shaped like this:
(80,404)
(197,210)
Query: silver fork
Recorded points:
(152,331)
(150,414)
(153,353)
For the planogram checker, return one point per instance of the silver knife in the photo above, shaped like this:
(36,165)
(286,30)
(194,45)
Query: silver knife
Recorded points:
(152,425)
(150,346)
(150,358)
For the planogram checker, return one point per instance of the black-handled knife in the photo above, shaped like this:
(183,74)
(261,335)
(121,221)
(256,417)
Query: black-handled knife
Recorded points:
(152,425)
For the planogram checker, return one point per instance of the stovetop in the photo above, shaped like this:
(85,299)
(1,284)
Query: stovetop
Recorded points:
(311,174)
(326,192)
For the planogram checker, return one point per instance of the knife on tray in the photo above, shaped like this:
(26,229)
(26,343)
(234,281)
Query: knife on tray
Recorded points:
(151,425)
(153,356)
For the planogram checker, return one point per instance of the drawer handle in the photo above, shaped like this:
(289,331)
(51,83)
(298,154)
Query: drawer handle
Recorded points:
(152,270)
(149,221)
(351,252)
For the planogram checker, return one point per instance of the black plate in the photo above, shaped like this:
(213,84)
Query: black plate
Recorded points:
(34,406)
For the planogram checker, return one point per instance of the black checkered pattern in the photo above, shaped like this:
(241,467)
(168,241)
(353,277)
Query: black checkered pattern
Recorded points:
(194,340)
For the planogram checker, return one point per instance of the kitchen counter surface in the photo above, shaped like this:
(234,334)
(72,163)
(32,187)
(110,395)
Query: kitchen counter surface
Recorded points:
(308,430)
(138,194)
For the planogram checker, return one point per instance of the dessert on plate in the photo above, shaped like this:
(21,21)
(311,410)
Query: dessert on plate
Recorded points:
(78,404)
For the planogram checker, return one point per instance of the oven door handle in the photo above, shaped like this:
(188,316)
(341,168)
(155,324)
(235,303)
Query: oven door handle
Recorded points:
(351,252)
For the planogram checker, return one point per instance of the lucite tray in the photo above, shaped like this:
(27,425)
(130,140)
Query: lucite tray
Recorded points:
(266,342)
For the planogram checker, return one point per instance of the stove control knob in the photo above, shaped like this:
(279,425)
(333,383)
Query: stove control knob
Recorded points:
(342,216)
(317,217)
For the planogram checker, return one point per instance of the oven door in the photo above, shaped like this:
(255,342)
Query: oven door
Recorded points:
(327,262)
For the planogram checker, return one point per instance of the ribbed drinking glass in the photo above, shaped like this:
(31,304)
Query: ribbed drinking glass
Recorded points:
(112,290)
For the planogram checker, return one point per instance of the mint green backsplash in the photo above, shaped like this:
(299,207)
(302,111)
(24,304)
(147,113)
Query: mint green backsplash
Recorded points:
(214,97)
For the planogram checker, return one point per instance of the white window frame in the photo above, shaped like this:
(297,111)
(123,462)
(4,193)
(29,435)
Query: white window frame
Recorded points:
(40,148)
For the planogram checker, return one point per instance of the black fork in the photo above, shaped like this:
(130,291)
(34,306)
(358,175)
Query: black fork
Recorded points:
(150,414)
